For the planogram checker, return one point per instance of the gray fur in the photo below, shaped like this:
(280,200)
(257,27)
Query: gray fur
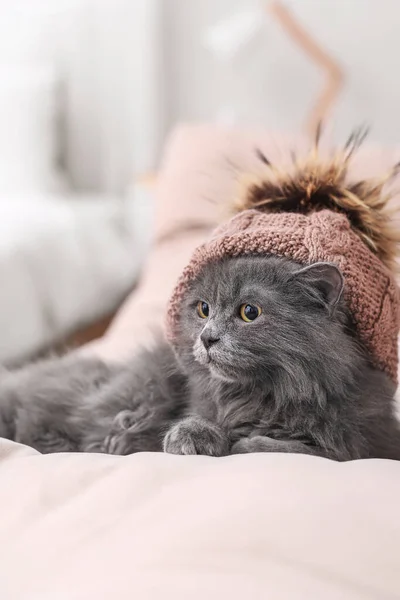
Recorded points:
(294,380)
(74,404)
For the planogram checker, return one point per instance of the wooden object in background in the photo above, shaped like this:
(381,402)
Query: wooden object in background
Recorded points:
(334,74)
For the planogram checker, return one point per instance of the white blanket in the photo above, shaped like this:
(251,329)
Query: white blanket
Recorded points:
(151,526)
(63,262)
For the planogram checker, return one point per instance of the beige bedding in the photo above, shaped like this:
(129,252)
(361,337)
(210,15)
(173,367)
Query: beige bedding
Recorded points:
(153,526)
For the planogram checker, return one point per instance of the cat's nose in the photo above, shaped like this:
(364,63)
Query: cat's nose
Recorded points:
(208,338)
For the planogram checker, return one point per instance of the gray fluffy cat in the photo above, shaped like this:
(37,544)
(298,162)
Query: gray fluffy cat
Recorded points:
(267,360)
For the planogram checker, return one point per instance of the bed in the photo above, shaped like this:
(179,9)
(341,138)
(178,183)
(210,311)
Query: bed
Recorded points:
(152,525)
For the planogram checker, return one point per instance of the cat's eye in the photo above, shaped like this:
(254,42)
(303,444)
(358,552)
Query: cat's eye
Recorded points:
(203,310)
(249,312)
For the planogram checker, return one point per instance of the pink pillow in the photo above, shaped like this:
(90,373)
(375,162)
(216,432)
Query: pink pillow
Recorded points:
(199,176)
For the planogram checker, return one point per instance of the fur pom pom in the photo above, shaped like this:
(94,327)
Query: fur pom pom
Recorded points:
(317,183)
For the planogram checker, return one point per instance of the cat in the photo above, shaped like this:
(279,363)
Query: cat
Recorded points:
(266,360)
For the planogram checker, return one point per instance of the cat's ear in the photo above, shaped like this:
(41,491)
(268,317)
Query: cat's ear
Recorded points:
(325,280)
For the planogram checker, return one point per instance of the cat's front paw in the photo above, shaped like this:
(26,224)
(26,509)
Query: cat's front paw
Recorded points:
(124,436)
(196,436)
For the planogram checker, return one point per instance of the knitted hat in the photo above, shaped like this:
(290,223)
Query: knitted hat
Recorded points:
(313,214)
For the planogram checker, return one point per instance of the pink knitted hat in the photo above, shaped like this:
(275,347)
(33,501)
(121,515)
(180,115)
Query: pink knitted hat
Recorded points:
(311,215)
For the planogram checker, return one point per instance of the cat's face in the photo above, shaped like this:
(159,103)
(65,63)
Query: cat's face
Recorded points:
(245,317)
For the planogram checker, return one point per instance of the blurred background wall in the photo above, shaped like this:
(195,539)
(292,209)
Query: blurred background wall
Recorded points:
(130,69)
(272,82)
